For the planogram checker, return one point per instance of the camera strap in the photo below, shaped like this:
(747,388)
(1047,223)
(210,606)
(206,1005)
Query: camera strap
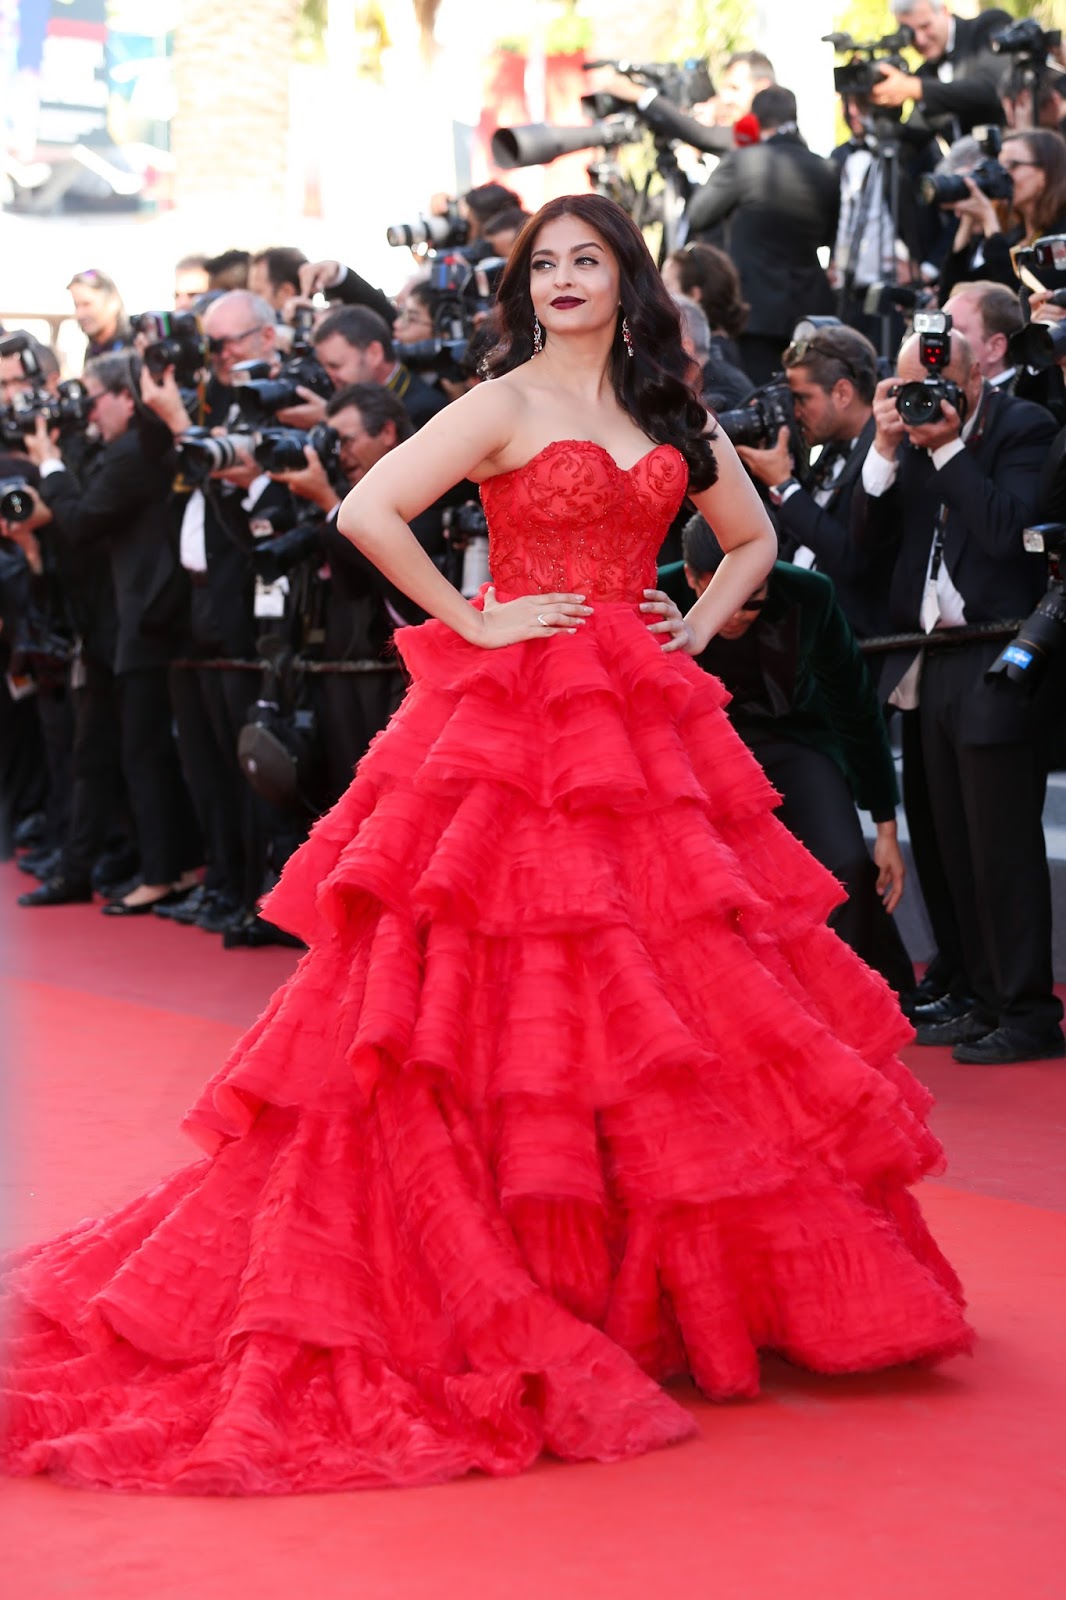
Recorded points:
(930,609)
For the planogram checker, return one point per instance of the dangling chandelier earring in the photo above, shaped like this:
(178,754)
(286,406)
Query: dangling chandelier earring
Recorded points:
(627,336)
(538,336)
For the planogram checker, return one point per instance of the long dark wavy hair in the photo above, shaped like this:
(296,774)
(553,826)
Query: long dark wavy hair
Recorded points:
(652,384)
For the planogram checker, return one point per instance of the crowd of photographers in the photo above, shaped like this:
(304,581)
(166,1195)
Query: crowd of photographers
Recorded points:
(882,335)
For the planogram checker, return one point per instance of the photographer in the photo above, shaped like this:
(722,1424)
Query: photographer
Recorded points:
(355,346)
(363,609)
(832,375)
(216,546)
(122,507)
(949,484)
(956,88)
(780,202)
(802,701)
(274,275)
(983,244)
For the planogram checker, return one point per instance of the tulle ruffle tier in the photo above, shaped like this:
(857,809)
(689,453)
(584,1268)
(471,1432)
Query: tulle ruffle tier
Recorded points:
(572,1092)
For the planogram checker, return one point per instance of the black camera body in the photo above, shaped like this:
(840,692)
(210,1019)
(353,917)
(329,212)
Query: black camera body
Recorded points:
(259,397)
(859,76)
(67,409)
(923,401)
(948,188)
(759,420)
(282,449)
(1041,639)
(175,339)
(1026,38)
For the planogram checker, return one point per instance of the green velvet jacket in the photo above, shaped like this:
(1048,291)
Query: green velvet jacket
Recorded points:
(814,686)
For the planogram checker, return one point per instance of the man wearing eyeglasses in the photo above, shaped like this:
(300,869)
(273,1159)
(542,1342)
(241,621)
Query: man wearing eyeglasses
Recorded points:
(832,374)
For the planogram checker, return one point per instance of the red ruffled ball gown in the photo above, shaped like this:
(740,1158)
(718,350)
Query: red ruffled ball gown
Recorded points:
(573,1091)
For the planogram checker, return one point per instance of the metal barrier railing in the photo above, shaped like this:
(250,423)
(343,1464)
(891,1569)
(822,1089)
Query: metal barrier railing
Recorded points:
(939,639)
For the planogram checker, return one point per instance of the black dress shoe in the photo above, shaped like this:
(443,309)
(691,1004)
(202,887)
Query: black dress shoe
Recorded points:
(219,912)
(58,892)
(255,932)
(960,1030)
(1004,1045)
(30,831)
(119,908)
(185,909)
(41,864)
(947,1009)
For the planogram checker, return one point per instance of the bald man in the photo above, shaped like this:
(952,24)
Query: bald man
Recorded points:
(950,499)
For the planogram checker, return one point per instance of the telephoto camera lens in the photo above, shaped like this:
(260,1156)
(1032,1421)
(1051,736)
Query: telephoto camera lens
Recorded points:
(16,502)
(204,453)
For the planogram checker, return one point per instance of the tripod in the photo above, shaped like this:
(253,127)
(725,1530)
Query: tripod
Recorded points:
(664,207)
(880,188)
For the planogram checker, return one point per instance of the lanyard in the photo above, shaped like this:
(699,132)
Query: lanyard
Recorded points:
(972,442)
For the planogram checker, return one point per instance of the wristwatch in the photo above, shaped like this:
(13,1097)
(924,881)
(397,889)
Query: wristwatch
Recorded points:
(779,492)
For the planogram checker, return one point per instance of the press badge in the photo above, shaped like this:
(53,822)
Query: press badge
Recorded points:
(270,597)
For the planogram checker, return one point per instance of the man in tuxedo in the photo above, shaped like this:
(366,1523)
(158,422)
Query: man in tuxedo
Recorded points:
(355,345)
(956,88)
(779,202)
(950,499)
(832,376)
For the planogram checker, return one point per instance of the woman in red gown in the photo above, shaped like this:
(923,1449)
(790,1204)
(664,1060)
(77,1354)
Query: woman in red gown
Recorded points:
(573,1090)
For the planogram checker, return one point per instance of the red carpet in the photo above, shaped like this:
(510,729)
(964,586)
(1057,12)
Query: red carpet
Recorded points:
(902,1487)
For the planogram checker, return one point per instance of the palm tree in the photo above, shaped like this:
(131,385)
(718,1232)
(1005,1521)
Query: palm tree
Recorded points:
(231,66)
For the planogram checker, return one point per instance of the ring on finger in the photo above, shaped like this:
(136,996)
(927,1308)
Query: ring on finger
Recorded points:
(542,619)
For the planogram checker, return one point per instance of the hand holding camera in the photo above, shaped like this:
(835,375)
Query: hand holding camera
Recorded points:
(890,432)
(310,482)
(772,464)
(162,395)
(40,445)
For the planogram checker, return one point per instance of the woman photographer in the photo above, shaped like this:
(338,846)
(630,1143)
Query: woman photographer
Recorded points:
(989,232)
(124,505)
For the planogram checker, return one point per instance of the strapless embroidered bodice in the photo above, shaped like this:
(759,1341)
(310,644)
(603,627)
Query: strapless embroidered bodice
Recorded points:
(572,521)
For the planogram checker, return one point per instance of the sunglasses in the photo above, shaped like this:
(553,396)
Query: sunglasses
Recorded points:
(756,603)
(800,349)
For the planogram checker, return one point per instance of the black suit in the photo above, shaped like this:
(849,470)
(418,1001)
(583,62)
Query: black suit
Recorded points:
(804,703)
(780,202)
(972,96)
(981,743)
(123,507)
(859,574)
(420,399)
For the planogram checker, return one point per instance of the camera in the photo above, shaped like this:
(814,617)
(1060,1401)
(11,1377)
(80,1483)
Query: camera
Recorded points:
(993,180)
(759,420)
(66,410)
(282,449)
(16,502)
(1046,259)
(923,400)
(1042,636)
(1026,37)
(614,121)
(1040,345)
(174,339)
(466,562)
(438,233)
(861,73)
(202,452)
(259,397)
(459,293)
